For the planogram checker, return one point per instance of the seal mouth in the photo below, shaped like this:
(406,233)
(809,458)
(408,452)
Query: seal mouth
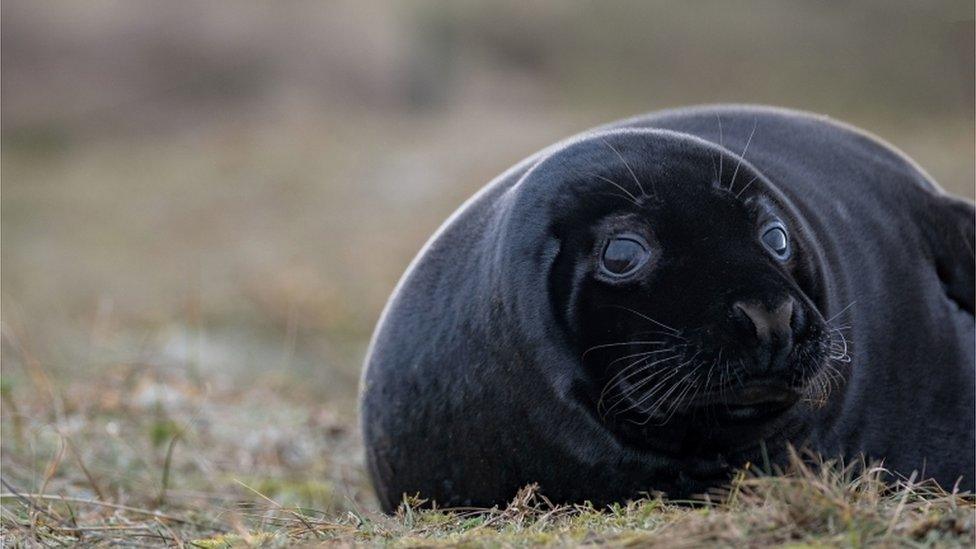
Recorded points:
(753,400)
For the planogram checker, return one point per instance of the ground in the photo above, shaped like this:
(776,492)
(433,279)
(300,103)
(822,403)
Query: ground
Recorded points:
(164,460)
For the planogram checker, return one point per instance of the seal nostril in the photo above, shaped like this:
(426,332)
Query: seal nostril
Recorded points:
(773,329)
(762,320)
(744,320)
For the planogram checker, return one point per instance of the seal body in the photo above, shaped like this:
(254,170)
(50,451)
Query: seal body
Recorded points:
(646,306)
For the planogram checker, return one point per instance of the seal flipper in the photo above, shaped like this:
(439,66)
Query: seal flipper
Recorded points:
(951,234)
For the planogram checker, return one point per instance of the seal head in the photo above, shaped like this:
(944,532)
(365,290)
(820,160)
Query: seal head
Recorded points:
(684,282)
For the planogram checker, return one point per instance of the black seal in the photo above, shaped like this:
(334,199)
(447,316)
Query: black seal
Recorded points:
(648,305)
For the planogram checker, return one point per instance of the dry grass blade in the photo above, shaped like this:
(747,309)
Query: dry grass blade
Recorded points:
(117,506)
(297,514)
(84,469)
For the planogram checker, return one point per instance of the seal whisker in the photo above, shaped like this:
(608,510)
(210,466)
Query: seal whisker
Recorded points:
(711,370)
(832,374)
(742,156)
(840,347)
(725,382)
(701,386)
(623,395)
(623,374)
(672,406)
(620,344)
(723,370)
(616,400)
(659,384)
(627,165)
(600,406)
(738,377)
(677,368)
(675,403)
(631,195)
(660,400)
(660,333)
(626,373)
(849,305)
(721,142)
(675,331)
(822,384)
(743,189)
(643,354)
(620,196)
(679,401)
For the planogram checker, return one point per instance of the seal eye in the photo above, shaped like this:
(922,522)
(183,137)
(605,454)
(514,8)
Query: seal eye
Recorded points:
(623,255)
(777,241)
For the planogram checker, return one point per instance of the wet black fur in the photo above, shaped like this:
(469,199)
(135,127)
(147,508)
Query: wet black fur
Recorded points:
(496,363)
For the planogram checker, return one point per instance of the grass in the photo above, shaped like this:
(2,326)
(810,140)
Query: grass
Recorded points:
(139,458)
(805,507)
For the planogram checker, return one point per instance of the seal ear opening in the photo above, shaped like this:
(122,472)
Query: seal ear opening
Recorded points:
(951,238)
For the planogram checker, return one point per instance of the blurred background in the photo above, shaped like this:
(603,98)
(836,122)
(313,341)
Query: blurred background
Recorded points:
(206,204)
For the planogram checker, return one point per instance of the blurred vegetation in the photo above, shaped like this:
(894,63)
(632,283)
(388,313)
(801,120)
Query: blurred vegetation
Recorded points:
(206,204)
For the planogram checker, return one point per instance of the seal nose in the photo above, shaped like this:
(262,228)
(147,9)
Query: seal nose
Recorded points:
(772,329)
